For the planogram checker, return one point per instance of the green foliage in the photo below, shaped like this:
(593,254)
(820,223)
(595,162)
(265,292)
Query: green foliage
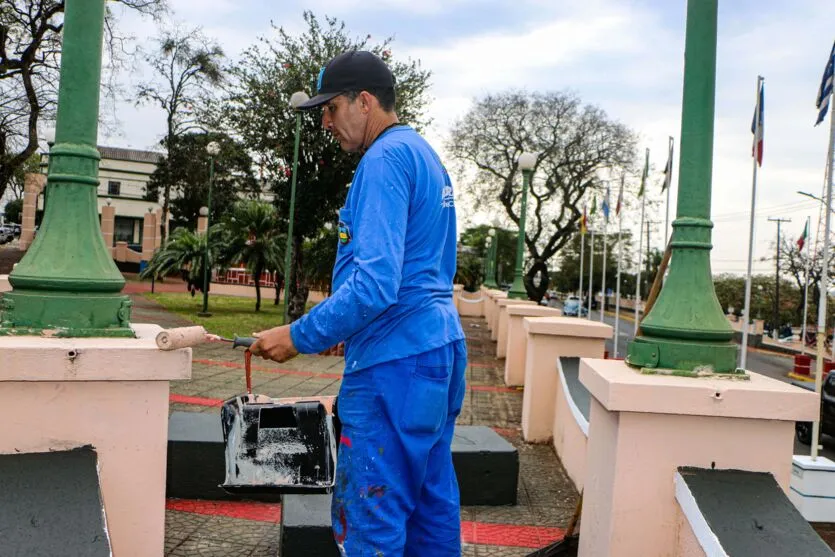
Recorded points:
(184,254)
(470,270)
(475,238)
(185,170)
(568,277)
(13,210)
(257,110)
(251,237)
(231,315)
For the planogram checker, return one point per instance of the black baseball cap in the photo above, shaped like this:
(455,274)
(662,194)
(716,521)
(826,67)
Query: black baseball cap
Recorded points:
(355,70)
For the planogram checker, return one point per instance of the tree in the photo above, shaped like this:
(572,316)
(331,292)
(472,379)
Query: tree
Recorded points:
(186,64)
(257,108)
(469,270)
(30,45)
(578,147)
(251,237)
(13,210)
(475,238)
(184,253)
(185,171)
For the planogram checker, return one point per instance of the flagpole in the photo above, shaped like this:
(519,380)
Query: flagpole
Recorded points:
(807,245)
(591,273)
(617,287)
(668,180)
(640,264)
(582,249)
(603,296)
(824,289)
(746,312)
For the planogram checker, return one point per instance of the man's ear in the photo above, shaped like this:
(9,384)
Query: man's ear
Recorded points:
(367,101)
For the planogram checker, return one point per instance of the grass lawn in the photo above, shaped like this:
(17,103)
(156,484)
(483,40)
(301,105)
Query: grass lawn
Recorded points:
(231,315)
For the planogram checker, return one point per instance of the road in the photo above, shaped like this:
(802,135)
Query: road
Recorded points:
(776,366)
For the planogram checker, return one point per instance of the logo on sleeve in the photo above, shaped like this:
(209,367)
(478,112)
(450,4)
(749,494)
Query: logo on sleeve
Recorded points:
(344,233)
(447,197)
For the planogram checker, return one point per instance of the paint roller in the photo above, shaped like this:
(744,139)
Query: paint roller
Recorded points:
(184,337)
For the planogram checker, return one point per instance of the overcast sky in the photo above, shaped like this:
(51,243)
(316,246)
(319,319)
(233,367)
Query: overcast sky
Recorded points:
(625,56)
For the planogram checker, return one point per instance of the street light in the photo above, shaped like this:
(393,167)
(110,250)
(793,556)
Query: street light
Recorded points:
(526,163)
(816,198)
(212,149)
(296,99)
(490,279)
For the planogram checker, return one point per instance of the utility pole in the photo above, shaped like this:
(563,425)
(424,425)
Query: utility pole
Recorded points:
(776,330)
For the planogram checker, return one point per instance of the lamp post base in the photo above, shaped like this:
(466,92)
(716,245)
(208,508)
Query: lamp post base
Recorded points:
(69,314)
(204,314)
(684,355)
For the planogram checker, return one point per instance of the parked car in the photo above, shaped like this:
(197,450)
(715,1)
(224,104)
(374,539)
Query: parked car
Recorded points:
(803,430)
(6,234)
(572,307)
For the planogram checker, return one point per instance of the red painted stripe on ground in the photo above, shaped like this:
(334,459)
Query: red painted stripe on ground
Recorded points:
(259,512)
(506,432)
(508,535)
(196,400)
(278,370)
(494,389)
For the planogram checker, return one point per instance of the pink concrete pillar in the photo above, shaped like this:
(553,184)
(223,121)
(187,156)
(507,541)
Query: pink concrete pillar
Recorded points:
(501,322)
(113,398)
(120,251)
(494,314)
(517,340)
(548,339)
(158,229)
(149,236)
(490,308)
(108,223)
(202,224)
(643,427)
(33,185)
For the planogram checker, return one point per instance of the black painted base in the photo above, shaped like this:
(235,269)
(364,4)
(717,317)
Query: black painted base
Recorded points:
(306,526)
(487,465)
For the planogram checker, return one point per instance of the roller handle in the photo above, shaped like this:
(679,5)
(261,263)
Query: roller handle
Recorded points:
(243,341)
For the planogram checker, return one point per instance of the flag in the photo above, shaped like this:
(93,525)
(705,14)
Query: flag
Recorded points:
(605,205)
(644,176)
(593,206)
(620,195)
(668,170)
(802,240)
(584,222)
(757,125)
(825,91)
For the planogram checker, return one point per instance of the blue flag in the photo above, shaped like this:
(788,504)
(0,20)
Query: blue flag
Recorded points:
(606,205)
(825,91)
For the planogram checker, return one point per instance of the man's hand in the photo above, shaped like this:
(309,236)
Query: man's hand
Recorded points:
(274,344)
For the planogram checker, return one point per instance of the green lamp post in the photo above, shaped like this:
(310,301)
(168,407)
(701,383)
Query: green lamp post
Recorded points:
(686,329)
(67,283)
(486,265)
(526,162)
(212,149)
(296,99)
(490,280)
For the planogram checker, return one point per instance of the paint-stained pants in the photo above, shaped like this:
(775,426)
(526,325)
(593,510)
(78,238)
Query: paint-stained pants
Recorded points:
(396,493)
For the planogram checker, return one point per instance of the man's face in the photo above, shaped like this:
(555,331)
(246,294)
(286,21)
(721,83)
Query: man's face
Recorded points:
(346,120)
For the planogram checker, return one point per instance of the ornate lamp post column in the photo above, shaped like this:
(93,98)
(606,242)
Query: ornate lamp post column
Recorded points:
(212,149)
(686,328)
(490,280)
(526,163)
(296,99)
(67,284)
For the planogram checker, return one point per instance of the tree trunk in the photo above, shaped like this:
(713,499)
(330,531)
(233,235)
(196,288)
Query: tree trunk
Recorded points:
(279,281)
(297,284)
(257,277)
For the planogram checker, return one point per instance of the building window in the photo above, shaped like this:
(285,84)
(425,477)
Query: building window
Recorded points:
(123,230)
(113,188)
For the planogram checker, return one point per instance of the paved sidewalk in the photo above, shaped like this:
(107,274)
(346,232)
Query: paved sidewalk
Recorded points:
(546,497)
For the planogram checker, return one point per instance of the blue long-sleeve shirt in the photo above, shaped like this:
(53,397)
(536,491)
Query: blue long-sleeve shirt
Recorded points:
(392,280)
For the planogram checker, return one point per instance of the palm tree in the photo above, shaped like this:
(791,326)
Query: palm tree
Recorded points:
(184,253)
(251,237)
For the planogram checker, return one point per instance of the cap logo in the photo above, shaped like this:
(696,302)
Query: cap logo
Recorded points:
(319,79)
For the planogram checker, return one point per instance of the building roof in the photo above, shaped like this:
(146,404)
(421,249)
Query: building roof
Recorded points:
(133,155)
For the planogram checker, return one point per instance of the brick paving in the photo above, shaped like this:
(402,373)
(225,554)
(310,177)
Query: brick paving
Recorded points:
(546,497)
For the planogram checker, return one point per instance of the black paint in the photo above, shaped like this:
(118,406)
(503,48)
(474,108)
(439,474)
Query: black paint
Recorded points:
(306,526)
(50,505)
(487,465)
(751,515)
(576,390)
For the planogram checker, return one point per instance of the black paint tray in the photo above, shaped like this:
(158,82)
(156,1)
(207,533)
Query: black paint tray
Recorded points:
(277,448)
